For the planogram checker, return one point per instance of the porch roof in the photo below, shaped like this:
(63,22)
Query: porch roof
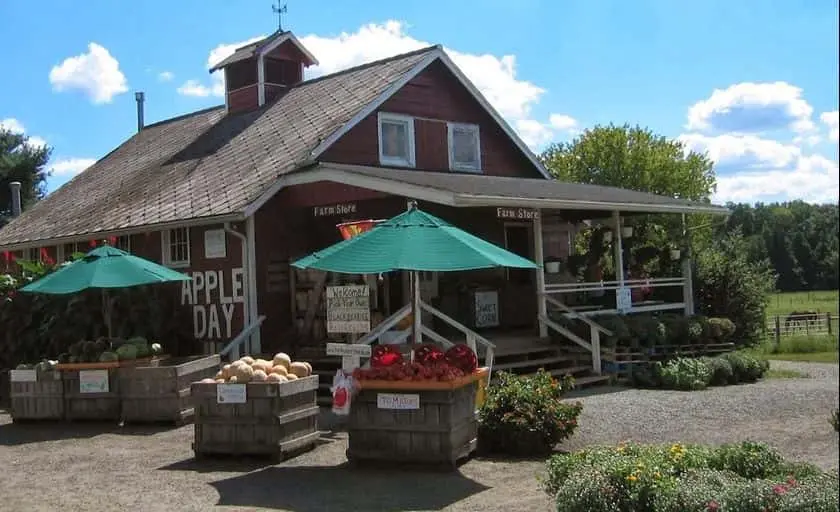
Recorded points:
(458,189)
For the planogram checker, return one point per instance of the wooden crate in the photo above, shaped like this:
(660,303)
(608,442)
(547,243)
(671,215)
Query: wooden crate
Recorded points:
(161,392)
(36,395)
(5,389)
(276,420)
(442,429)
(91,405)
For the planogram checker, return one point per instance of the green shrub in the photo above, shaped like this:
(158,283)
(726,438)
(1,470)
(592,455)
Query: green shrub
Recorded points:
(646,375)
(676,328)
(721,330)
(621,334)
(685,374)
(677,478)
(745,367)
(526,415)
(698,329)
(729,284)
(721,370)
(646,330)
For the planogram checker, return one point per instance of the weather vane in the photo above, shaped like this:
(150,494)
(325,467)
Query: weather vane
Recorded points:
(280,11)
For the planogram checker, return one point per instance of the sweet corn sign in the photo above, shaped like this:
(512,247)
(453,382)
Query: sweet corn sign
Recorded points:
(215,295)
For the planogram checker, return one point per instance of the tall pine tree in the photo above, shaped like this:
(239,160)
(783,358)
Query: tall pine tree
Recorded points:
(23,162)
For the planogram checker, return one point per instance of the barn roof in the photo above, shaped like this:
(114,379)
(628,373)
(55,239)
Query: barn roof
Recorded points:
(207,164)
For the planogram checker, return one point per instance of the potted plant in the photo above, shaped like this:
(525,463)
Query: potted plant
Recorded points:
(674,252)
(552,265)
(627,232)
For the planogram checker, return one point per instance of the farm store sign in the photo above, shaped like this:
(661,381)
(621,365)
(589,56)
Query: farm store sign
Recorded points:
(516,213)
(214,296)
(334,209)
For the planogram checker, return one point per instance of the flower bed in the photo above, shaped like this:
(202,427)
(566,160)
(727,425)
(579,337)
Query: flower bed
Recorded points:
(693,374)
(742,477)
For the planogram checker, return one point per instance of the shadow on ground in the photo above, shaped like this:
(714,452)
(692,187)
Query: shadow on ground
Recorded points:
(324,488)
(595,391)
(14,434)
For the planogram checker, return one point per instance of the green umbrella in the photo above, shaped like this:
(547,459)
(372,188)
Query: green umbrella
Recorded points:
(104,267)
(413,241)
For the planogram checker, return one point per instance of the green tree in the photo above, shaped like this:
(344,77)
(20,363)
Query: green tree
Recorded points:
(23,162)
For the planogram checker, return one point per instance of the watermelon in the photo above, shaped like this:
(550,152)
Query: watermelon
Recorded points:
(462,357)
(385,355)
(428,353)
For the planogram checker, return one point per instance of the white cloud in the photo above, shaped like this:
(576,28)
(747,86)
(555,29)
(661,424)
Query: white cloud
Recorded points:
(194,88)
(13,125)
(750,107)
(166,76)
(813,179)
(742,151)
(97,73)
(494,76)
(70,166)
(830,120)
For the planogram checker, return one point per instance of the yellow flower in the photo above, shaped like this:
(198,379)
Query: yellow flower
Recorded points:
(632,478)
(640,465)
(657,475)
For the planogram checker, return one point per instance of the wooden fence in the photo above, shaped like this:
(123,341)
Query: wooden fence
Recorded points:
(803,324)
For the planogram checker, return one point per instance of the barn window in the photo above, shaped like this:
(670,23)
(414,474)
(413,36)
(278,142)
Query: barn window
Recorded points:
(464,147)
(176,247)
(123,243)
(396,140)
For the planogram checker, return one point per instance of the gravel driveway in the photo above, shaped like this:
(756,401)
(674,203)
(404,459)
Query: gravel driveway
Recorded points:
(88,467)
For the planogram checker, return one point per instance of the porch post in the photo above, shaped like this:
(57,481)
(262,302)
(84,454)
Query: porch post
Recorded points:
(688,279)
(542,310)
(618,251)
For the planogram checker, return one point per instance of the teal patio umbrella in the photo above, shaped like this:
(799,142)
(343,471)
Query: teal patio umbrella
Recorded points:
(412,241)
(104,267)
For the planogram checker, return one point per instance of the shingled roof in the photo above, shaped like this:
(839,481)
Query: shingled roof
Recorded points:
(207,164)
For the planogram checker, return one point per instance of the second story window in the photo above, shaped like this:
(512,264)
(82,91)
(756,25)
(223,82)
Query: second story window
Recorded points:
(396,140)
(464,147)
(176,247)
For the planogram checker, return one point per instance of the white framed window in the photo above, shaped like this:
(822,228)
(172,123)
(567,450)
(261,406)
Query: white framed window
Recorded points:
(396,140)
(176,247)
(464,147)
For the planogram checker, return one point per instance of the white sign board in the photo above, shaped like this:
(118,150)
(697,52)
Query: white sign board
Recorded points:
(214,243)
(348,309)
(231,394)
(487,309)
(394,401)
(623,299)
(23,376)
(93,381)
(350,354)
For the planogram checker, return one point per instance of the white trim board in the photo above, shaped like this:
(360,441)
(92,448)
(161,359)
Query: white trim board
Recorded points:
(434,55)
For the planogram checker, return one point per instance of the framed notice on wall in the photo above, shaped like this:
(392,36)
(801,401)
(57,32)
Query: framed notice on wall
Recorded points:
(487,308)
(348,309)
(214,244)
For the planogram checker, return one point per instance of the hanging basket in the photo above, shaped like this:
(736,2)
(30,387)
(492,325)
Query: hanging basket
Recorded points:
(608,236)
(627,232)
(675,254)
(552,267)
(350,229)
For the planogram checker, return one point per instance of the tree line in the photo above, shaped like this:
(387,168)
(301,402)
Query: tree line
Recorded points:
(800,240)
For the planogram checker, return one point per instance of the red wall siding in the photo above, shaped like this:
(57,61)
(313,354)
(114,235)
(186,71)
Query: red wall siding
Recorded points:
(436,96)
(244,99)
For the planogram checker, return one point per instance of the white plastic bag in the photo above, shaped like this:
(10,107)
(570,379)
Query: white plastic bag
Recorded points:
(342,393)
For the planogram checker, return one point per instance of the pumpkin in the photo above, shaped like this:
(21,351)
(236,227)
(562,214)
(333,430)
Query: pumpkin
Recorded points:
(279,370)
(428,353)
(299,370)
(275,377)
(282,359)
(259,376)
(385,355)
(462,357)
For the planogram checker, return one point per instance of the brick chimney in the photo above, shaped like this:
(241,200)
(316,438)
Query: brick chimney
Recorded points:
(259,72)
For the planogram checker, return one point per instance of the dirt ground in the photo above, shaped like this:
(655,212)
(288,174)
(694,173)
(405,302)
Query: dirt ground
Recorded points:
(93,467)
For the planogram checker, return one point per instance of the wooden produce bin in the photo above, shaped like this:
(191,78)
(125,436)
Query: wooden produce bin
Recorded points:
(160,392)
(275,419)
(92,394)
(414,421)
(36,395)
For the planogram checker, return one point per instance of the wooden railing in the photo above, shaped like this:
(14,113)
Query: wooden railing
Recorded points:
(233,349)
(647,306)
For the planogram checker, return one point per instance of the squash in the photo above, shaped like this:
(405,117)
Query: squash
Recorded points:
(259,376)
(262,364)
(308,367)
(219,375)
(280,370)
(232,380)
(247,360)
(282,359)
(220,381)
(208,381)
(226,371)
(275,377)
(299,369)
(242,373)
(291,376)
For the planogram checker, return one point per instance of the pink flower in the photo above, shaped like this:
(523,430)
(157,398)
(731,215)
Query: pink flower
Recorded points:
(712,506)
(780,489)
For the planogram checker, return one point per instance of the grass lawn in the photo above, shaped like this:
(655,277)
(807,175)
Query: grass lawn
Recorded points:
(813,357)
(821,302)
(784,374)
(819,349)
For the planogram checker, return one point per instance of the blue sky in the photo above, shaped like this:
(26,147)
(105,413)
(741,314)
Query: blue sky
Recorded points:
(754,83)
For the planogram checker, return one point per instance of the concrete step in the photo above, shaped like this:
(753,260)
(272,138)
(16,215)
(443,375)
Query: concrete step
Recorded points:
(591,380)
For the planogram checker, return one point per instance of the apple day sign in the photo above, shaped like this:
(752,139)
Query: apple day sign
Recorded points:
(214,296)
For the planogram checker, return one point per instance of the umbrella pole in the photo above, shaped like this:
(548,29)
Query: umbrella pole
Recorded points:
(106,311)
(416,309)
